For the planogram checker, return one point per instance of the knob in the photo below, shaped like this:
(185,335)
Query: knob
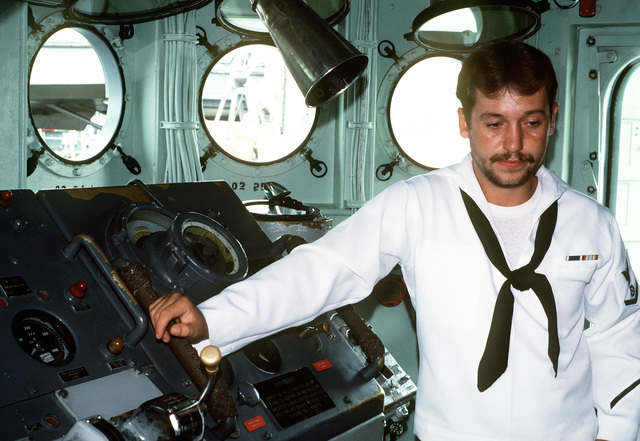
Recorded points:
(391,290)
(5,198)
(211,357)
(78,290)
(115,345)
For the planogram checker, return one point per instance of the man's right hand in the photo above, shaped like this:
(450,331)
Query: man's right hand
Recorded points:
(175,315)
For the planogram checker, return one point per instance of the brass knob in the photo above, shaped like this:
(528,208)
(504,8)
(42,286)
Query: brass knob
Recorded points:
(115,345)
(211,357)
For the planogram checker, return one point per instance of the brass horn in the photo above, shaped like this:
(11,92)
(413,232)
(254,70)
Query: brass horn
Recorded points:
(322,62)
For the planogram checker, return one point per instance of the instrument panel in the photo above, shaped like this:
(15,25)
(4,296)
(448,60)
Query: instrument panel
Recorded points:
(79,354)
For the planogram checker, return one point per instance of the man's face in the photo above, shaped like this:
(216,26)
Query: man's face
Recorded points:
(508,136)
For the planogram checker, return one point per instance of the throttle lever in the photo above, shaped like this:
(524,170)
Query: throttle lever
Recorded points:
(210,358)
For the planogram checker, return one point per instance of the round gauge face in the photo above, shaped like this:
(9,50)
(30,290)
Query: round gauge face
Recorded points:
(43,337)
(211,248)
(144,222)
(264,355)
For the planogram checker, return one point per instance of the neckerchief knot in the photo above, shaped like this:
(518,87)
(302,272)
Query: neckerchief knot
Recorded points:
(523,278)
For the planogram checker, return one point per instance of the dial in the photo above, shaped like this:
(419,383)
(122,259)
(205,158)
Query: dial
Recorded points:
(43,337)
(210,248)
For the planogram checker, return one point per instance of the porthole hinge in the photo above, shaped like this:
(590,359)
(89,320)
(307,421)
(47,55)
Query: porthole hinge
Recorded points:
(209,153)
(33,24)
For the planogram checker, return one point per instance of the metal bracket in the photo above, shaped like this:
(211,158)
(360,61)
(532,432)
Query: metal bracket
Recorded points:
(588,176)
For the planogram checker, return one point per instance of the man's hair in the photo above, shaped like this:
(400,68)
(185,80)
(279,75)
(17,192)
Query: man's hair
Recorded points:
(505,65)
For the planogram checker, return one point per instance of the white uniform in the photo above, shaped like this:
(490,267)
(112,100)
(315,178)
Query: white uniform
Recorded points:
(422,225)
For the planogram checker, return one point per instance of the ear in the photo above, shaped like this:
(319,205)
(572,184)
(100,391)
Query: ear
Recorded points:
(552,126)
(462,124)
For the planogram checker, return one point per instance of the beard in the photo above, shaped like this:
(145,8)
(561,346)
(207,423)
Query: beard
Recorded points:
(507,179)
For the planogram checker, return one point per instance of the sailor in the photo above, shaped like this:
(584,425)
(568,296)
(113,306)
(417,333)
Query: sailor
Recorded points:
(503,262)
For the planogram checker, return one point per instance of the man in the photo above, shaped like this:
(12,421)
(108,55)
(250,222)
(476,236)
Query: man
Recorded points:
(503,263)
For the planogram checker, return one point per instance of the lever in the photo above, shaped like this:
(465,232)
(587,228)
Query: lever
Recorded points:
(210,358)
(313,330)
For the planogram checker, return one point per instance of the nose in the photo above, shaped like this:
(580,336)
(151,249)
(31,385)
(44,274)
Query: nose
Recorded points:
(513,138)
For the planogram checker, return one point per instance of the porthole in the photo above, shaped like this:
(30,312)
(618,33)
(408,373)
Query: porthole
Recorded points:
(251,108)
(76,96)
(128,11)
(419,122)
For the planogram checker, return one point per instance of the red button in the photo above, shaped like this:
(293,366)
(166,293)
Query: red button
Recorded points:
(3,303)
(5,198)
(52,421)
(43,295)
(78,290)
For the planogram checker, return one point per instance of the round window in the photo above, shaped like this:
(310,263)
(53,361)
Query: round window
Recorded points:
(423,113)
(252,108)
(75,94)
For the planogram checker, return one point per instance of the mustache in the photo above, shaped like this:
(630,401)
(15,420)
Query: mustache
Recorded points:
(518,156)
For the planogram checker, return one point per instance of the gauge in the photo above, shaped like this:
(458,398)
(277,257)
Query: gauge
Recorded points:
(210,248)
(43,337)
(143,221)
(264,355)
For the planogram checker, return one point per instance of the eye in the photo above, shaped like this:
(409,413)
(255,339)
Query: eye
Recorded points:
(493,125)
(533,123)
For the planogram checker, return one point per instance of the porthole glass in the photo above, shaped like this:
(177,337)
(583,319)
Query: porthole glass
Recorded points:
(252,108)
(456,27)
(75,94)
(423,113)
(464,24)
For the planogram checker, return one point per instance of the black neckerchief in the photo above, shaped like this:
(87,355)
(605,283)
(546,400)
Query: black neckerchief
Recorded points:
(495,358)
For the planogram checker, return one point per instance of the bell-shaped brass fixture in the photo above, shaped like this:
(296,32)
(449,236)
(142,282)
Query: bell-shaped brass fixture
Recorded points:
(322,62)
